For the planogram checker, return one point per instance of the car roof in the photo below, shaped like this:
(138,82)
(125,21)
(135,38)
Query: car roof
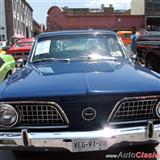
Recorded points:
(150,36)
(70,32)
(26,40)
(153,32)
(122,32)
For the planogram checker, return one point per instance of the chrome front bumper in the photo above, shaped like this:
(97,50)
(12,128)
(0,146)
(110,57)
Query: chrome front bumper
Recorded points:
(65,140)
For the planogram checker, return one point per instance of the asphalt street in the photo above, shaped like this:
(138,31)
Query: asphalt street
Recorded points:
(8,155)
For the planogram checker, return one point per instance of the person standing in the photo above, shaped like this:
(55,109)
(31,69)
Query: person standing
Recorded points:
(134,38)
(135,35)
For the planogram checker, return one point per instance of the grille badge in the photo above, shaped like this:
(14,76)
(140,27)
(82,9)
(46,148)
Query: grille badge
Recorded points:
(89,114)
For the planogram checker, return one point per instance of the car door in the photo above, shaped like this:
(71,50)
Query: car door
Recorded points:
(2,71)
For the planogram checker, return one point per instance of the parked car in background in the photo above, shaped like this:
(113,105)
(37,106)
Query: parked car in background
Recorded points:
(2,51)
(21,49)
(7,66)
(79,92)
(148,49)
(125,36)
(2,45)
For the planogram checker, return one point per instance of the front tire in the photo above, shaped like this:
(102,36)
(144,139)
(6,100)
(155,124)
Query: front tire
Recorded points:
(153,62)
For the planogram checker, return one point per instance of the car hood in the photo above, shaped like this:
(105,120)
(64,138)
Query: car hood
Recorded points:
(63,79)
(20,49)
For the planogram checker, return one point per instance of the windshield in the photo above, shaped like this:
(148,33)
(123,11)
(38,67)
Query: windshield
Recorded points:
(23,44)
(74,46)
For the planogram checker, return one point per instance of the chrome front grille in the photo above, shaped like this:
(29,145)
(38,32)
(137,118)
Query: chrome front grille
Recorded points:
(41,114)
(20,55)
(130,110)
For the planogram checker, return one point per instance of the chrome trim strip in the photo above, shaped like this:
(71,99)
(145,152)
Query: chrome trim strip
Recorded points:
(133,122)
(66,140)
(32,52)
(34,127)
(130,98)
(40,102)
(128,122)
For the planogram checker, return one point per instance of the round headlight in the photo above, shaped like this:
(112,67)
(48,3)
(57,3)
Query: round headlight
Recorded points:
(8,115)
(158,110)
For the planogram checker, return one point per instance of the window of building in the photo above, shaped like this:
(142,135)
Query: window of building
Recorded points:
(18,8)
(18,27)
(14,21)
(14,14)
(20,3)
(14,5)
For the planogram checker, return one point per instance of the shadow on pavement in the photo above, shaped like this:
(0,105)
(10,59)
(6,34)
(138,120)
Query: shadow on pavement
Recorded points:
(103,155)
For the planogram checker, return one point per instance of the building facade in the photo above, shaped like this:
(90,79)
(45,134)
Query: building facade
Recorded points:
(3,30)
(137,7)
(66,19)
(36,28)
(43,27)
(152,7)
(18,17)
(152,12)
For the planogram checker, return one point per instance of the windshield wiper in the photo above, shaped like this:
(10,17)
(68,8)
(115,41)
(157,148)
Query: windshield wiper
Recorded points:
(94,58)
(80,58)
(52,59)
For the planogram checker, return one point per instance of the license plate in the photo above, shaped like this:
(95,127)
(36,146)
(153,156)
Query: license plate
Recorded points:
(88,145)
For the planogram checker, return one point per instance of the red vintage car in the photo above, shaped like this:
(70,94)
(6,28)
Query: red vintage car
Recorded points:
(125,36)
(21,49)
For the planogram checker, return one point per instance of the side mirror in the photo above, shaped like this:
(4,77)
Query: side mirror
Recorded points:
(19,63)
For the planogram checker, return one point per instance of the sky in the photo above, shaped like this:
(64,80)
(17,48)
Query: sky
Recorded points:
(41,7)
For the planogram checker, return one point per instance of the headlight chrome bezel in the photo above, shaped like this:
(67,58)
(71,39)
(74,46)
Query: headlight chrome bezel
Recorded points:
(13,110)
(158,109)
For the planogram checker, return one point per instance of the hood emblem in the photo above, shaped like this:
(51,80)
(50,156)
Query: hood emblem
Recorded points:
(88,114)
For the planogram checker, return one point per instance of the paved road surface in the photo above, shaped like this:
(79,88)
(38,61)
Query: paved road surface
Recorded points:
(7,155)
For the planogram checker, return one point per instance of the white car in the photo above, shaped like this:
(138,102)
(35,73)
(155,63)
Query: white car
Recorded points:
(2,44)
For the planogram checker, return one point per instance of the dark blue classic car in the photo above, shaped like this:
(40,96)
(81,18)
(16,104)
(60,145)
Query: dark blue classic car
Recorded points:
(79,92)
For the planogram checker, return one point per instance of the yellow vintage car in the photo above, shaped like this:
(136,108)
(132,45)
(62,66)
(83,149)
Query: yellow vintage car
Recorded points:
(2,52)
(2,44)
